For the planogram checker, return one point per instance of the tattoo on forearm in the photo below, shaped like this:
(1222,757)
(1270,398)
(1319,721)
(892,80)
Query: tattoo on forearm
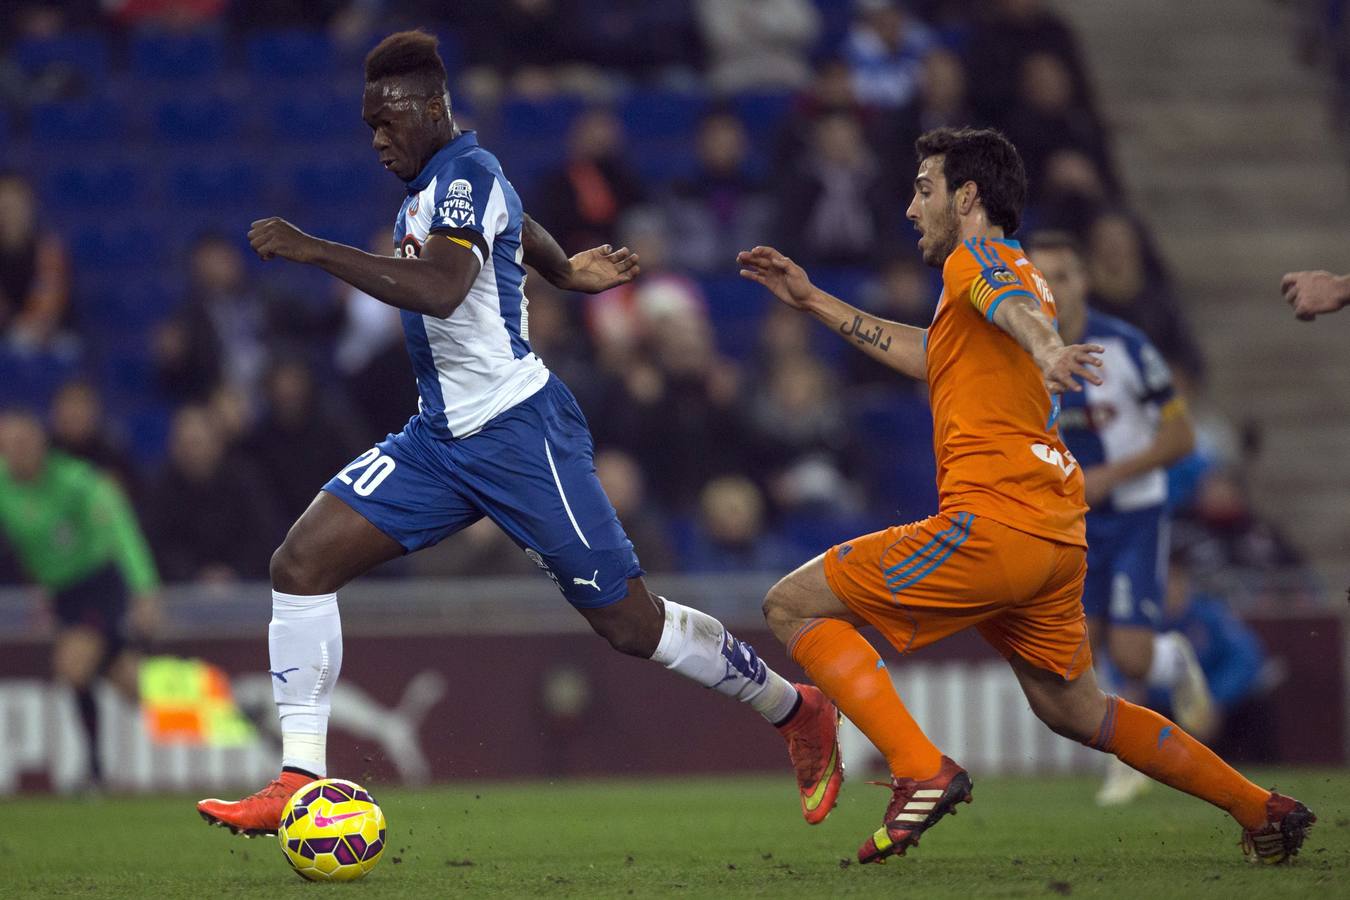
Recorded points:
(876,337)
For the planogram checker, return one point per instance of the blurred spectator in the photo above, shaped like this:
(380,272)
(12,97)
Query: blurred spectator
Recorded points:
(582,201)
(830,91)
(730,534)
(1000,40)
(723,207)
(885,48)
(622,319)
(182,15)
(480,550)
(647,528)
(942,99)
(1123,286)
(220,333)
(670,398)
(1224,532)
(1234,661)
(758,44)
(78,540)
(1046,116)
(1072,194)
(803,445)
(300,441)
(640,39)
(34,269)
(837,201)
(208,521)
(370,354)
(21,88)
(901,292)
(80,428)
(558,337)
(257,15)
(526,48)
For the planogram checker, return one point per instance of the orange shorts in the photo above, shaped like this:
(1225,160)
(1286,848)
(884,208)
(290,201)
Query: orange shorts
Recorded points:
(921,582)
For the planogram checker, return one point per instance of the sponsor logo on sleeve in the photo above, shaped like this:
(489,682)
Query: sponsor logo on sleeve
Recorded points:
(456,210)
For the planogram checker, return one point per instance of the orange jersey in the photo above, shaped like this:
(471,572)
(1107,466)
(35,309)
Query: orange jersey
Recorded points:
(999,454)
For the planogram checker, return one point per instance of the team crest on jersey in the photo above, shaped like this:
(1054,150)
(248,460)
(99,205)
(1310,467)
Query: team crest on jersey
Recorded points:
(999,276)
(456,209)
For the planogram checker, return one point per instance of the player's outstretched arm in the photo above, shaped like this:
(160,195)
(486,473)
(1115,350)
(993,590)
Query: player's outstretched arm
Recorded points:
(897,346)
(590,271)
(434,283)
(1060,365)
(1312,294)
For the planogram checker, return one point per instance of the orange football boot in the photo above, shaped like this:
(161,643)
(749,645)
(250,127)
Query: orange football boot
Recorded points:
(258,813)
(812,736)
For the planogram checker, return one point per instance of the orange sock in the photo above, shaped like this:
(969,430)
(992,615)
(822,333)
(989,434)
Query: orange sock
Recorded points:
(849,671)
(1158,748)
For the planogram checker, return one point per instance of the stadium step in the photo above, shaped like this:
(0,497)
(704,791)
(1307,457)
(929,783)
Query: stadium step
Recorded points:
(1226,142)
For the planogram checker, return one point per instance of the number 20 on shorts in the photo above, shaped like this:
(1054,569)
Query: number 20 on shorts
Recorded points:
(377,469)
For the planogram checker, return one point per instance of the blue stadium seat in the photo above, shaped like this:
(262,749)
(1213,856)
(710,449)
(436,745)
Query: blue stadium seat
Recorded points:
(79,121)
(661,162)
(228,184)
(736,307)
(290,55)
(312,118)
(762,113)
(116,245)
(539,120)
(197,119)
(83,53)
(661,114)
(336,182)
(115,306)
(895,428)
(168,56)
(94,185)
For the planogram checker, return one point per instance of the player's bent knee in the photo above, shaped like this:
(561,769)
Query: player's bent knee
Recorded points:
(778,611)
(292,572)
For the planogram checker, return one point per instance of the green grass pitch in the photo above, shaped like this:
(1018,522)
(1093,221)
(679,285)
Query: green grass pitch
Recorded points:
(732,837)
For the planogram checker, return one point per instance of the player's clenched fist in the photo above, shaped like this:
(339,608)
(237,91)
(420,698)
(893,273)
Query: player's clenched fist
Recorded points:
(1063,367)
(1312,294)
(276,237)
(784,278)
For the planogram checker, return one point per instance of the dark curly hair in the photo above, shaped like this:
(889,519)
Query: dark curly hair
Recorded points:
(989,159)
(412,54)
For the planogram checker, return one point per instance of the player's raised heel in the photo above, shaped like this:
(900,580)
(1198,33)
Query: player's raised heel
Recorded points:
(915,807)
(1280,840)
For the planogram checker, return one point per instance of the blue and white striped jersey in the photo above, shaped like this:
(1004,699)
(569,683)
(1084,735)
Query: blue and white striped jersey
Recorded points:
(477,363)
(1119,418)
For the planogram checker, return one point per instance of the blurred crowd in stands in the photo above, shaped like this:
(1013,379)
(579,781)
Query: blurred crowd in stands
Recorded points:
(141,137)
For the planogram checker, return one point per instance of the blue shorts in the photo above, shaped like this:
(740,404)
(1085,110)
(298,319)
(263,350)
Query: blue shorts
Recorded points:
(530,470)
(1126,556)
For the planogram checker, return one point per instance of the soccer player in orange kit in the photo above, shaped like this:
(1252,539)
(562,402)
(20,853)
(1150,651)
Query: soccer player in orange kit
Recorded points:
(1006,551)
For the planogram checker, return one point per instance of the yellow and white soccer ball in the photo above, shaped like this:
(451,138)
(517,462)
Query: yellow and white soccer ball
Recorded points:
(332,830)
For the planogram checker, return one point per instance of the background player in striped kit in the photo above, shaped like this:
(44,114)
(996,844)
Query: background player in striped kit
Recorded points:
(1124,432)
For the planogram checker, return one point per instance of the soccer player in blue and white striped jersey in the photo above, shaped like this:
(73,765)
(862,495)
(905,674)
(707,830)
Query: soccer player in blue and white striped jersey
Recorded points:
(496,436)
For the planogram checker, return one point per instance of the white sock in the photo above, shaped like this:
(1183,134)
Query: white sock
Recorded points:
(1169,660)
(304,641)
(698,647)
